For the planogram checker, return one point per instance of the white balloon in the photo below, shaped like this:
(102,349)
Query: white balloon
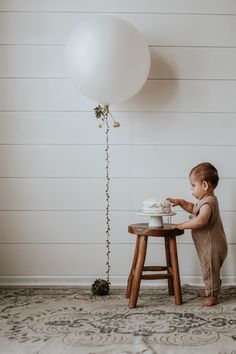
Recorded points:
(107,59)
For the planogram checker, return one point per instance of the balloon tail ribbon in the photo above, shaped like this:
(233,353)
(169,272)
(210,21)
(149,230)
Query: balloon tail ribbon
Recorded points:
(108,229)
(102,112)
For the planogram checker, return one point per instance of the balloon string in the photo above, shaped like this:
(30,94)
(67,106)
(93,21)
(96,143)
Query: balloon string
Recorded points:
(103,112)
(108,229)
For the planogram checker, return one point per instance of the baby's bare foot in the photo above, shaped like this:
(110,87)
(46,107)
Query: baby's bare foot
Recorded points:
(210,301)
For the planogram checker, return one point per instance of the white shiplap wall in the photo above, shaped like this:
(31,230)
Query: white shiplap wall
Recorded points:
(52,158)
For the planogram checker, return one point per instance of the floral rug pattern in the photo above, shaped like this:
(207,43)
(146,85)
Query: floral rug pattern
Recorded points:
(75,318)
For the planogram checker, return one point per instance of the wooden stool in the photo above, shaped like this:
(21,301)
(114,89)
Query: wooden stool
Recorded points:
(136,273)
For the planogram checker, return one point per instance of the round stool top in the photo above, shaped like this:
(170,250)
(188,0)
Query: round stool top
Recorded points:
(144,230)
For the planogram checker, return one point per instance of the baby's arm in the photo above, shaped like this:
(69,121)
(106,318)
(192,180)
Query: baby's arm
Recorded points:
(198,222)
(187,206)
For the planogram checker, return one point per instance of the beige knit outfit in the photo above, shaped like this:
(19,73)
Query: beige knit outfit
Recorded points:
(211,244)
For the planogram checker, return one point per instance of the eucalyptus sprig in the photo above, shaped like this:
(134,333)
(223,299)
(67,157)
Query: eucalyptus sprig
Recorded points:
(102,112)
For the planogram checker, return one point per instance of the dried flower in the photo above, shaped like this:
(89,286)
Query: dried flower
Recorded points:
(102,112)
(116,124)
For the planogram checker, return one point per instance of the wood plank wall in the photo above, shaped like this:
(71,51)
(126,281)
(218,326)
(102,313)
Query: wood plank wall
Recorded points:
(52,158)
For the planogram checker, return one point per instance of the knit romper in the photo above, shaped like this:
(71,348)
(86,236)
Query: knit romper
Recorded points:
(211,245)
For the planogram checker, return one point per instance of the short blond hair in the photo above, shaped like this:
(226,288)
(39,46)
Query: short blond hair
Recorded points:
(205,171)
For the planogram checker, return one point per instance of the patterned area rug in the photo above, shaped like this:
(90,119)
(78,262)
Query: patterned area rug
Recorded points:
(71,320)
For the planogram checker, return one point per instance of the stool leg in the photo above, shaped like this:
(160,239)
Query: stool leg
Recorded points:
(175,270)
(138,271)
(168,264)
(131,274)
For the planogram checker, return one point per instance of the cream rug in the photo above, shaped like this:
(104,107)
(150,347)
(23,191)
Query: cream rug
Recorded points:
(71,320)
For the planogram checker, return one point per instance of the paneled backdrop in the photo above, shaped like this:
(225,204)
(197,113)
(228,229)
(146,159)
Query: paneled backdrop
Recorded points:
(52,153)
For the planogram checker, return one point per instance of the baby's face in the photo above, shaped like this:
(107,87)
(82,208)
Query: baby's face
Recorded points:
(197,188)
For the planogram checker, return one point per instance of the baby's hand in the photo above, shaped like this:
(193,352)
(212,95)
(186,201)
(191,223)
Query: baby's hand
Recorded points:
(176,226)
(174,202)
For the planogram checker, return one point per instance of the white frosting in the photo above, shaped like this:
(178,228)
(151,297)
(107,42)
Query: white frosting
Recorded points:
(152,206)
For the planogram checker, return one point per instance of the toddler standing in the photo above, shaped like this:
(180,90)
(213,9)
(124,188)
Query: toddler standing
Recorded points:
(206,226)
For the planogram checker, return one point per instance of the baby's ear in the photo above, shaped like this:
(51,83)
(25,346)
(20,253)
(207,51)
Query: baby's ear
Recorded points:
(205,185)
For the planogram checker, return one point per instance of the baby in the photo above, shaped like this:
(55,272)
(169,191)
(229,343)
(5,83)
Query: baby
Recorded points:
(207,228)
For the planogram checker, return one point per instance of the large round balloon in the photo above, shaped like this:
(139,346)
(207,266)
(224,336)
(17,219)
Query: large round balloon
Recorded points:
(107,59)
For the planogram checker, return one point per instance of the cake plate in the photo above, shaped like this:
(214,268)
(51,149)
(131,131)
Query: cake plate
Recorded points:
(156,219)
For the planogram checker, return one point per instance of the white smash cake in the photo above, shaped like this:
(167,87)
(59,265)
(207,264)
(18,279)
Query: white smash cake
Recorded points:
(155,206)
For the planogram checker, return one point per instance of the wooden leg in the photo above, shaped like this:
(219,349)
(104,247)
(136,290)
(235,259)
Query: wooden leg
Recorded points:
(138,271)
(131,274)
(168,264)
(175,271)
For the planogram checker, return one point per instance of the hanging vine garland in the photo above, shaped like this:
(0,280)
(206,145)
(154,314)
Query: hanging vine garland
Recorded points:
(101,286)
(108,201)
